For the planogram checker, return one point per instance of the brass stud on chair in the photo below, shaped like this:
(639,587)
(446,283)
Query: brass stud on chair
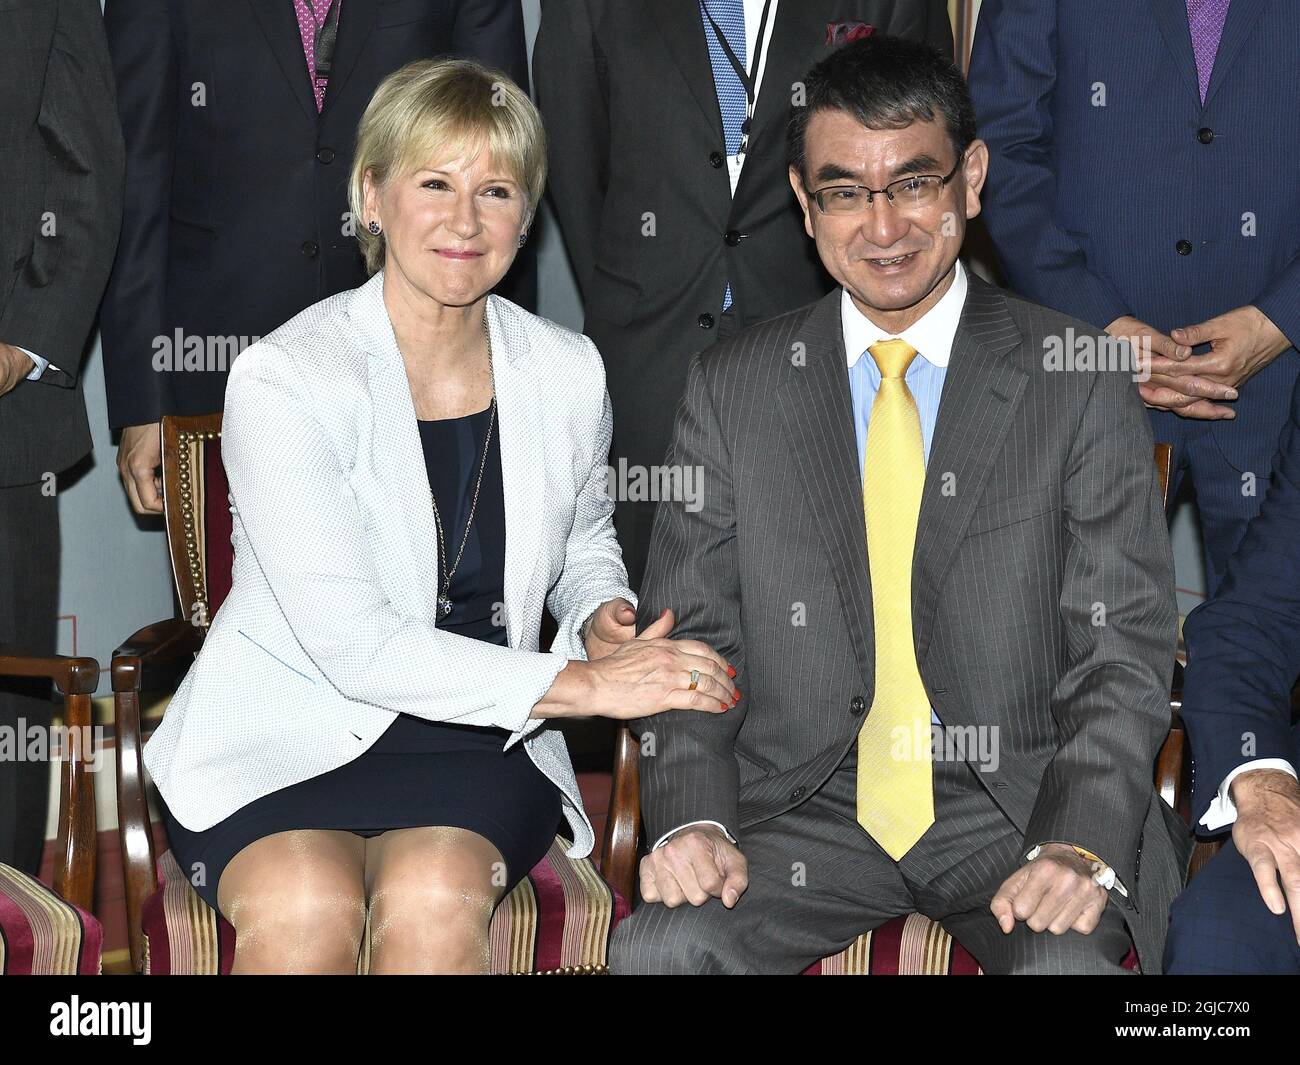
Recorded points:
(191,443)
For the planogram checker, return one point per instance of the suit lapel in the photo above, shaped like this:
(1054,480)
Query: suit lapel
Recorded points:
(356,20)
(399,458)
(682,27)
(279,25)
(798,41)
(817,406)
(981,393)
(1241,20)
(1171,15)
(523,466)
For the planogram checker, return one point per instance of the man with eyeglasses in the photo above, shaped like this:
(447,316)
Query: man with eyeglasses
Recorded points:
(908,523)
(664,120)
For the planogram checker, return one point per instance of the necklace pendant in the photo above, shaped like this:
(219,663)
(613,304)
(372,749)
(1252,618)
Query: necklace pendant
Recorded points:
(444,606)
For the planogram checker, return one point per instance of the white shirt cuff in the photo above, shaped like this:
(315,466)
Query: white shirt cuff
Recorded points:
(1223,811)
(40,366)
(664,838)
(1102,874)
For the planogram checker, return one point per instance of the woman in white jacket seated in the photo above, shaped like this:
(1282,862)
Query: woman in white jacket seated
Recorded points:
(416,468)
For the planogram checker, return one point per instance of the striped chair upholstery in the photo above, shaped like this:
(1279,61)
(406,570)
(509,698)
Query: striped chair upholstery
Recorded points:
(906,946)
(41,934)
(557,920)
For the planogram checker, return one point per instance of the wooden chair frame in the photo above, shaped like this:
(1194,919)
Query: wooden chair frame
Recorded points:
(75,679)
(157,657)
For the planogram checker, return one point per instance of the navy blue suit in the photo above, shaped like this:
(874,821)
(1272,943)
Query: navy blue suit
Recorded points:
(1112,190)
(236,214)
(1243,656)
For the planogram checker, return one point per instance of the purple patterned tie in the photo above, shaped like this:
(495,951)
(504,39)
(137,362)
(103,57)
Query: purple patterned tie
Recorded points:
(308,21)
(1206,18)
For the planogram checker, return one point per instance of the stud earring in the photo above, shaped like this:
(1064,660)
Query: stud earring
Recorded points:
(373,226)
(523,237)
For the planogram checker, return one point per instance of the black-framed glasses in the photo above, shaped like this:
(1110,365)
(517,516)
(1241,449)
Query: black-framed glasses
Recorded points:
(913,193)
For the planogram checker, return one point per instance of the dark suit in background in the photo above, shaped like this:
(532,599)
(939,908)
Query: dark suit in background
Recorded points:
(60,209)
(634,124)
(1243,657)
(1057,511)
(236,186)
(1153,204)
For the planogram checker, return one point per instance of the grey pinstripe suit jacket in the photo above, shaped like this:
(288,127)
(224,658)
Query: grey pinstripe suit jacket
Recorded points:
(1042,587)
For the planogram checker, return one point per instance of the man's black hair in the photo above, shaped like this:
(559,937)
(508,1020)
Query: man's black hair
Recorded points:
(885,83)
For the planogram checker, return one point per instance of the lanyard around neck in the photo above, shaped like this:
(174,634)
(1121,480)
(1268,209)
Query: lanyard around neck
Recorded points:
(325,36)
(748,79)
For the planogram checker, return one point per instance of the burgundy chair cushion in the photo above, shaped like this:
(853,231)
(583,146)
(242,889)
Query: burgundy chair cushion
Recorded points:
(42,934)
(908,946)
(911,945)
(217,526)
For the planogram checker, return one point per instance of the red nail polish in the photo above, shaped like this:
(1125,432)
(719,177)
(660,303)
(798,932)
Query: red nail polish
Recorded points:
(731,671)
(723,706)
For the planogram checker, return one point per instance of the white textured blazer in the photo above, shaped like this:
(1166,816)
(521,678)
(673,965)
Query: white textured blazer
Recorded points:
(330,628)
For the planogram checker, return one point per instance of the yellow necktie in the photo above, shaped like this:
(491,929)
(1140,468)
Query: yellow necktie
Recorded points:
(895,785)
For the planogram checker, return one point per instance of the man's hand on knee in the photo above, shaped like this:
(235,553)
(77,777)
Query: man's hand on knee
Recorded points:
(1055,892)
(1267,835)
(697,864)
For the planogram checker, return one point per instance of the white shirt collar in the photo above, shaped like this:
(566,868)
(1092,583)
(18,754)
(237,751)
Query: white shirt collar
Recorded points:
(932,335)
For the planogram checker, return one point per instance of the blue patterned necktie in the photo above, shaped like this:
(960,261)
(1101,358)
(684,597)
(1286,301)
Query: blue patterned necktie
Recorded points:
(1205,18)
(730,17)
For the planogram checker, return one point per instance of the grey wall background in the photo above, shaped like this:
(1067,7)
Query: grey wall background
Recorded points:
(116,575)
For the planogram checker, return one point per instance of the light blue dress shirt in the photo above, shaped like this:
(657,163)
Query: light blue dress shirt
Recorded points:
(932,337)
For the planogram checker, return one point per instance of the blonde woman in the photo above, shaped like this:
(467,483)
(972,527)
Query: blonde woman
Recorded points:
(417,468)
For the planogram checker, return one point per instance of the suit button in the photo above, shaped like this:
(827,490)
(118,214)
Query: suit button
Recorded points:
(706,321)
(310,249)
(798,793)
(857,705)
(325,155)
(733,237)
(715,160)
(1183,247)
(1205,135)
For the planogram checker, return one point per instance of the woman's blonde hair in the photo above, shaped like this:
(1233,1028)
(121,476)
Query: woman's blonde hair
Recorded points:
(441,109)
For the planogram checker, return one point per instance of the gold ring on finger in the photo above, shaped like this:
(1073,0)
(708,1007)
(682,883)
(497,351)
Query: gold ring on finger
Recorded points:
(695,679)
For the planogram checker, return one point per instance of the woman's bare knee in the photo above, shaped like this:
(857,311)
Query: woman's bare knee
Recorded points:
(431,902)
(297,903)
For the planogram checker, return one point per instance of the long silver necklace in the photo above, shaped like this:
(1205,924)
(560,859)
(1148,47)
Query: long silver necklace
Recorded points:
(444,598)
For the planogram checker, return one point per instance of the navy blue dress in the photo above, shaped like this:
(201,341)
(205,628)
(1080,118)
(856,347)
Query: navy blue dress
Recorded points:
(419,772)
